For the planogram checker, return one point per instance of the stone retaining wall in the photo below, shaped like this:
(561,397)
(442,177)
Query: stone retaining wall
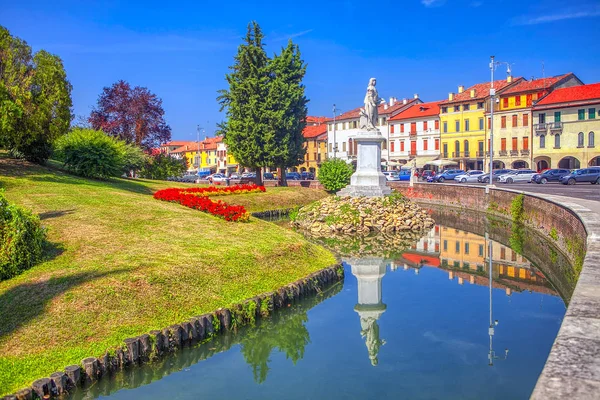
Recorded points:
(155,344)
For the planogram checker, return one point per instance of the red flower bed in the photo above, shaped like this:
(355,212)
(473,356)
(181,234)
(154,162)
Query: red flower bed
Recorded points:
(198,198)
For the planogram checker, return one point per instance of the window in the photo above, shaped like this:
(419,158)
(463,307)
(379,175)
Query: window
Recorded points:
(525,120)
(329,127)
(505,102)
(591,139)
(424,125)
(480,124)
(437,142)
(557,141)
(591,113)
(517,100)
(480,105)
(466,248)
(330,147)
(457,126)
(466,144)
(581,114)
(392,146)
(503,144)
(489,122)
(401,128)
(444,110)
(580,139)
(466,125)
(392,128)
(413,127)
(515,143)
(525,143)
(557,116)
(445,245)
(466,107)
(456,108)
(542,118)
(457,147)
(480,250)
(344,146)
(514,120)
(480,146)
(355,124)
(445,127)
(542,141)
(503,253)
(437,124)
(503,122)
(445,150)
(425,144)
(384,145)
(350,147)
(457,247)
(402,145)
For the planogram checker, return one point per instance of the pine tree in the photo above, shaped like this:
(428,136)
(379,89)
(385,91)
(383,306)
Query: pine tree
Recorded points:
(287,109)
(246,130)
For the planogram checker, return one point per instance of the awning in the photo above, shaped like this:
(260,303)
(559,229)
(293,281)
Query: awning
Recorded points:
(442,162)
(423,160)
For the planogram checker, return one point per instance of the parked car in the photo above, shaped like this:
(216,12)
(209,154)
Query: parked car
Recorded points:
(520,175)
(268,176)
(485,178)
(218,178)
(293,176)
(235,176)
(448,175)
(190,178)
(469,176)
(306,175)
(249,175)
(550,175)
(391,175)
(404,174)
(591,175)
(425,174)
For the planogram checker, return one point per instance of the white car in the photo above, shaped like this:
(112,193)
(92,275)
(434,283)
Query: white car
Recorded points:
(217,178)
(520,175)
(391,176)
(469,176)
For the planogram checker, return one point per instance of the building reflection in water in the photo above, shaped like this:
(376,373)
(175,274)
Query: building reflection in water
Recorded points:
(369,272)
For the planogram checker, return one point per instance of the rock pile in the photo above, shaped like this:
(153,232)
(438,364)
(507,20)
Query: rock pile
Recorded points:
(362,215)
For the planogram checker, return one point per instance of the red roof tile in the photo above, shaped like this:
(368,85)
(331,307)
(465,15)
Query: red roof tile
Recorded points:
(535,85)
(571,94)
(419,110)
(482,90)
(315,120)
(381,110)
(177,143)
(313,131)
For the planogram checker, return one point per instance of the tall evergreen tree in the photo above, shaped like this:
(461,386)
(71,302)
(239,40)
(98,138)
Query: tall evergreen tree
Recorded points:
(246,130)
(287,109)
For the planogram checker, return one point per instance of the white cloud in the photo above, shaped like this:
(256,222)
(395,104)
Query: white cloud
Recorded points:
(543,19)
(432,3)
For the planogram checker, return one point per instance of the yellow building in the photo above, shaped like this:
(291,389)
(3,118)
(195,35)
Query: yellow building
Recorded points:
(203,155)
(513,119)
(566,124)
(462,118)
(315,135)
(461,249)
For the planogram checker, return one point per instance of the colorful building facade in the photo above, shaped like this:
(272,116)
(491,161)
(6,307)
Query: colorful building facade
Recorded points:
(566,126)
(463,129)
(315,135)
(513,119)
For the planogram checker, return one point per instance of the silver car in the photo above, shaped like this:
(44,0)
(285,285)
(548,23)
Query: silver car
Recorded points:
(469,176)
(520,175)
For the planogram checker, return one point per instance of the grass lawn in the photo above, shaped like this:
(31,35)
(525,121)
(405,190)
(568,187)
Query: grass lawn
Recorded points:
(121,264)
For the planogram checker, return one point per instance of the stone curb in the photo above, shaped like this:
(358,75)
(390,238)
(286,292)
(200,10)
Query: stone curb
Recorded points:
(156,343)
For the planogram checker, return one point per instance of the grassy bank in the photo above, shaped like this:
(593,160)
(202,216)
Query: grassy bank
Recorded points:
(121,264)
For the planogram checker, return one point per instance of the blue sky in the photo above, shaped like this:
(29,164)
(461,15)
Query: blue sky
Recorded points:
(181,50)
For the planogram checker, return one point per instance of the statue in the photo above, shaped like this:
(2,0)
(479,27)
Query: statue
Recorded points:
(369,115)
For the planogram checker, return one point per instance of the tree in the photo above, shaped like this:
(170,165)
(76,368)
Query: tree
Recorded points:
(133,115)
(246,130)
(287,110)
(35,99)
(163,166)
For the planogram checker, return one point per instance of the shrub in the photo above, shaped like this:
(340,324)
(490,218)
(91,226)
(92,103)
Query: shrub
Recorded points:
(335,174)
(21,239)
(91,153)
(162,166)
(134,158)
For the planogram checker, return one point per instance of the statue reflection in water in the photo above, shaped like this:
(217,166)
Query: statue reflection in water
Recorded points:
(369,272)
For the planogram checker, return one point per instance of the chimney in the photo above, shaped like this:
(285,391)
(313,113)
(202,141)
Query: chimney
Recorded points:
(472,93)
(416,95)
(404,101)
(392,101)
(385,106)
(509,79)
(461,88)
(450,96)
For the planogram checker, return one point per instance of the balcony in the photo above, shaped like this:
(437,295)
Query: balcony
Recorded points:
(514,153)
(479,154)
(540,129)
(525,152)
(503,153)
(556,127)
(412,133)
(466,154)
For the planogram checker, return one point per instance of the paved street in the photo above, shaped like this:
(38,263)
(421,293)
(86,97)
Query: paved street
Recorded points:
(581,190)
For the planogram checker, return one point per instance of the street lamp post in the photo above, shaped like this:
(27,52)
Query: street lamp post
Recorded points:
(491,330)
(198,147)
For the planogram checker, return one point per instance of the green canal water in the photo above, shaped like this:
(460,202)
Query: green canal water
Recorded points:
(412,324)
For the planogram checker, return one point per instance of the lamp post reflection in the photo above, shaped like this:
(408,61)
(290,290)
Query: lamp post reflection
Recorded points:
(369,272)
(491,330)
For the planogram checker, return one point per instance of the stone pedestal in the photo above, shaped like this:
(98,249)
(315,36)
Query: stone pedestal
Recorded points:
(368,180)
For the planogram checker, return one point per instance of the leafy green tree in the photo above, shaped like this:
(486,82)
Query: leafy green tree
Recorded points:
(163,166)
(287,109)
(246,130)
(35,99)
(134,158)
(335,174)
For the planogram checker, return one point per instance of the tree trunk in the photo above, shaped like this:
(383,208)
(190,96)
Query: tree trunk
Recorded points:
(259,178)
(281,176)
